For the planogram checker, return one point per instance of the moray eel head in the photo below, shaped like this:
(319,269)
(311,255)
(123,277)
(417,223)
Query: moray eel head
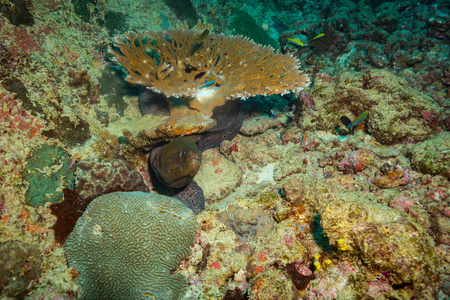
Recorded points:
(177,162)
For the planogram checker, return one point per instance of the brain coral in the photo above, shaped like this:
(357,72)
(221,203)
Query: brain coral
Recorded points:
(96,177)
(127,243)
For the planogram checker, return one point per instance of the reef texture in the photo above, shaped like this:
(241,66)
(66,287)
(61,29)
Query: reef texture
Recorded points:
(351,213)
(397,112)
(96,177)
(127,244)
(47,173)
(387,240)
(20,268)
(212,169)
(433,156)
(246,224)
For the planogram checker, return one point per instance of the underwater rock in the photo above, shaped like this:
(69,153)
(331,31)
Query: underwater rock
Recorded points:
(260,124)
(246,224)
(391,176)
(250,153)
(432,156)
(272,284)
(218,177)
(294,189)
(127,244)
(356,161)
(297,161)
(388,241)
(397,112)
(20,264)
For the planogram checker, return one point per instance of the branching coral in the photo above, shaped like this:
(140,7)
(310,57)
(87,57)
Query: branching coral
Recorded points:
(205,72)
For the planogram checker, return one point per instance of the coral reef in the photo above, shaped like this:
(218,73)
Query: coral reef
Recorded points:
(431,156)
(127,244)
(96,177)
(47,173)
(20,268)
(390,176)
(214,165)
(397,113)
(387,240)
(296,205)
(17,12)
(67,213)
(246,224)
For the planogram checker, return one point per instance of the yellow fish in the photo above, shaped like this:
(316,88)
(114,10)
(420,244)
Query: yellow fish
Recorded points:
(296,41)
(202,36)
(319,36)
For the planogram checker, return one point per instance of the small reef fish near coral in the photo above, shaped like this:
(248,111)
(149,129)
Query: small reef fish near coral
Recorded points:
(199,149)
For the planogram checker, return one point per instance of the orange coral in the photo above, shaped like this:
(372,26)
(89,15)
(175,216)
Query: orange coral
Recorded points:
(206,74)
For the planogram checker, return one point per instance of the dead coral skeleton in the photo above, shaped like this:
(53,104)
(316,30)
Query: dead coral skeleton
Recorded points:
(208,73)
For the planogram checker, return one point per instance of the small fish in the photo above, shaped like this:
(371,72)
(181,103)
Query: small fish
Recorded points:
(202,36)
(272,114)
(358,119)
(208,83)
(319,36)
(198,41)
(296,41)
(74,158)
(212,81)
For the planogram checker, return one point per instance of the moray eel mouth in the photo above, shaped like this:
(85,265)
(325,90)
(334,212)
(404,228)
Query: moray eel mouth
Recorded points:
(177,162)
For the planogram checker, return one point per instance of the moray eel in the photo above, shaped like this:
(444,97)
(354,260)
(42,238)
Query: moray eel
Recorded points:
(175,164)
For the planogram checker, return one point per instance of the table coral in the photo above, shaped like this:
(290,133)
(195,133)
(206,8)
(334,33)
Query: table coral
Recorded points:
(233,66)
(127,244)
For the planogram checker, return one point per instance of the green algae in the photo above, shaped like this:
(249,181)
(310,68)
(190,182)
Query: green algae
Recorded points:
(47,172)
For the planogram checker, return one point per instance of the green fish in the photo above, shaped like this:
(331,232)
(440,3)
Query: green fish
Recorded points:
(296,41)
(319,36)
(202,36)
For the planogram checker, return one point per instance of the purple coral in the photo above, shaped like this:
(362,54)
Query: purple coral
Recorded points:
(96,177)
